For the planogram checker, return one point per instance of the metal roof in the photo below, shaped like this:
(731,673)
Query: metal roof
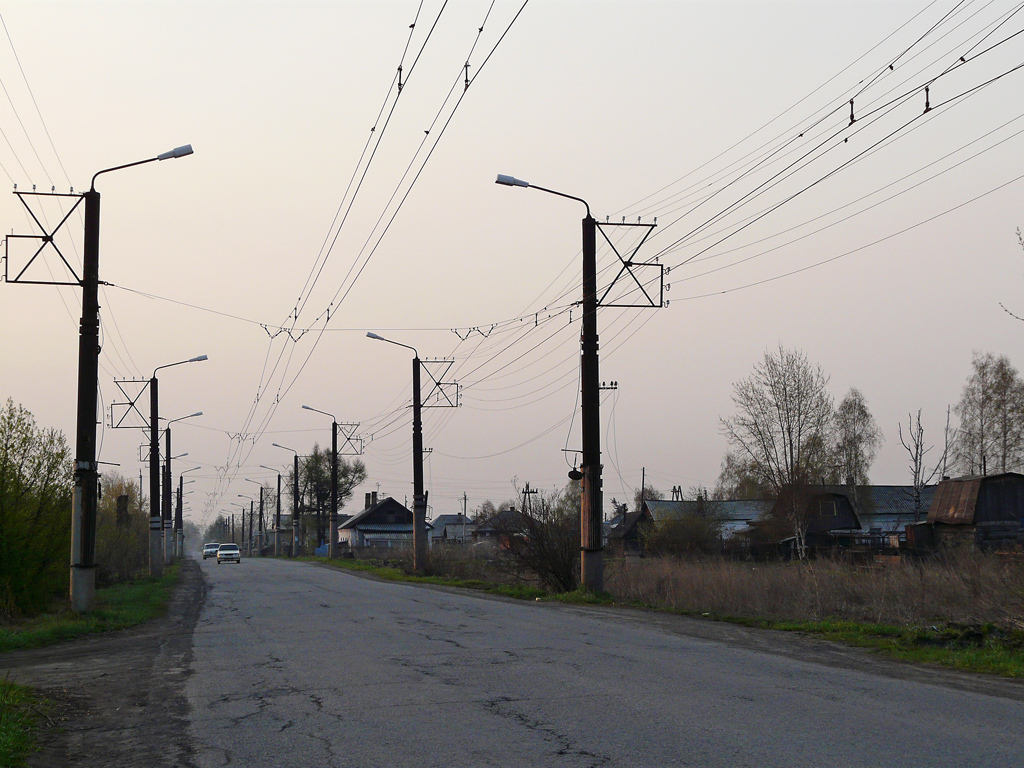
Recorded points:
(741,510)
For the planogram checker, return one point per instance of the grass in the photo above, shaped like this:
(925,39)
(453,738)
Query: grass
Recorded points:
(16,721)
(117,607)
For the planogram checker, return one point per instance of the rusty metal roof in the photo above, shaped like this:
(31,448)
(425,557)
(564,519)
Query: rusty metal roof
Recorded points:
(955,501)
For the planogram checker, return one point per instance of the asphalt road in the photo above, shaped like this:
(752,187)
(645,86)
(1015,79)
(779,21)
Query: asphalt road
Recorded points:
(300,665)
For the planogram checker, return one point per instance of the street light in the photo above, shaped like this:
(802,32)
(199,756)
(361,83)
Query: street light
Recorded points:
(259,533)
(591,555)
(168,524)
(419,504)
(295,499)
(85,498)
(277,515)
(179,532)
(156,556)
(242,507)
(332,539)
(246,542)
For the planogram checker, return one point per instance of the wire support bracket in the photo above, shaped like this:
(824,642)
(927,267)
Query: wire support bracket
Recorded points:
(46,242)
(652,299)
(442,394)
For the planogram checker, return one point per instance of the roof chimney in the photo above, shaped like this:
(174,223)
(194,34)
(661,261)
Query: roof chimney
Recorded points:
(373,499)
(366,500)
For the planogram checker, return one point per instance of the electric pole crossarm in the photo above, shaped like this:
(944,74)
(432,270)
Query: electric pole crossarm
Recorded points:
(46,239)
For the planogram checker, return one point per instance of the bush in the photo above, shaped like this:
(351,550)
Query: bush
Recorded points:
(545,542)
(35,513)
(122,536)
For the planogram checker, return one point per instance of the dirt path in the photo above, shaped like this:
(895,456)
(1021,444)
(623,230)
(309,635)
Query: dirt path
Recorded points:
(118,697)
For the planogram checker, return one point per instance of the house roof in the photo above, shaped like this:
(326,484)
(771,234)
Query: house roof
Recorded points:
(360,517)
(626,526)
(442,520)
(507,517)
(956,500)
(739,510)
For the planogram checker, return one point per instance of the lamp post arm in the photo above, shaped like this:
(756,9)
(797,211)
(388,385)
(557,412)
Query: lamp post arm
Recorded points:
(377,337)
(181,151)
(562,194)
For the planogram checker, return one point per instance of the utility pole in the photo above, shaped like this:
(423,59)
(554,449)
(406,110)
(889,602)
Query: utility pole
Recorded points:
(419,500)
(296,517)
(179,539)
(156,557)
(260,531)
(332,546)
(168,533)
(250,526)
(277,520)
(527,493)
(591,555)
(85,494)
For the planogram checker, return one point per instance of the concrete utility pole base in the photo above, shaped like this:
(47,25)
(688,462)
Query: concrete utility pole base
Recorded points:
(83,588)
(156,549)
(592,570)
(277,543)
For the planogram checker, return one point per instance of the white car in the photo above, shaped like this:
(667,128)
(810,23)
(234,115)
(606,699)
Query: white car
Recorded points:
(210,550)
(227,553)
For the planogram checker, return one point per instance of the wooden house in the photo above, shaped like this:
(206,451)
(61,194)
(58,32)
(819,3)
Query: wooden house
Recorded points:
(987,511)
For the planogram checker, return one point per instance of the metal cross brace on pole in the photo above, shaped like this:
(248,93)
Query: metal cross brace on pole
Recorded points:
(129,407)
(46,238)
(650,297)
(442,394)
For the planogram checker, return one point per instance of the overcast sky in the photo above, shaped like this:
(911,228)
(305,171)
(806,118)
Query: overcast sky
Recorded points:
(322,203)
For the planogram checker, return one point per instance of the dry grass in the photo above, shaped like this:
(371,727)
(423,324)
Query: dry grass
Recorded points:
(964,588)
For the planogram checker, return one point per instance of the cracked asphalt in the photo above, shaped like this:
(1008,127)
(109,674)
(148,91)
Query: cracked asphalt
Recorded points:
(300,665)
(280,663)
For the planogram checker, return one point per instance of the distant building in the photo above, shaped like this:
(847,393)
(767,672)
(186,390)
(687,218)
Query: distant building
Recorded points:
(987,511)
(452,529)
(383,524)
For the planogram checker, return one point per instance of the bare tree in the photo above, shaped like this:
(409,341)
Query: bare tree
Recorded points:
(784,416)
(856,441)
(991,412)
(915,447)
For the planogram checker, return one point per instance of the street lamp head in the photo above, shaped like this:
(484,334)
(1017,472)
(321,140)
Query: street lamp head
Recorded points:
(307,408)
(376,337)
(198,359)
(181,151)
(510,181)
(284,447)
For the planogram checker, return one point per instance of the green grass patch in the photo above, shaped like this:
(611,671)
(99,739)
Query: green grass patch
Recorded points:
(117,607)
(17,719)
(987,649)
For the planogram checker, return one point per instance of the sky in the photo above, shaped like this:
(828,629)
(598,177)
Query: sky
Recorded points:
(323,202)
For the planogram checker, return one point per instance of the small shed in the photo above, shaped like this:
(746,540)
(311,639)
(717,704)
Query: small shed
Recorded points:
(986,510)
